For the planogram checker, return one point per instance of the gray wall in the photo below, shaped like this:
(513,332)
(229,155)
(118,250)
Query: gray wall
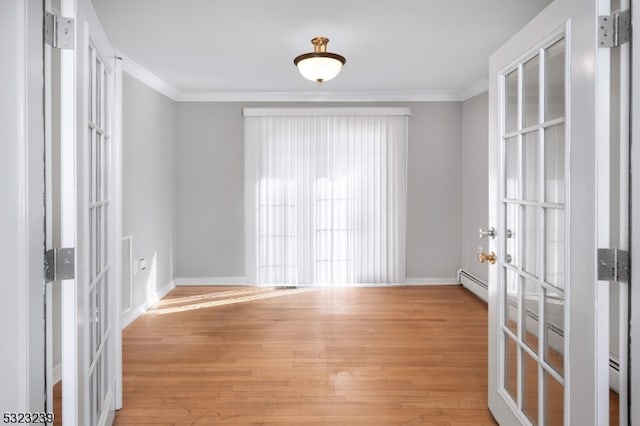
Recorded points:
(434,182)
(475,207)
(210,190)
(210,174)
(148,120)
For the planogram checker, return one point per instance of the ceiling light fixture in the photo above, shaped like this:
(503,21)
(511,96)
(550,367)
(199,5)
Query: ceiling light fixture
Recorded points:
(319,65)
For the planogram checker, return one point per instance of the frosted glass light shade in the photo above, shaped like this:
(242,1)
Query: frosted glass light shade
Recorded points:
(319,65)
(319,68)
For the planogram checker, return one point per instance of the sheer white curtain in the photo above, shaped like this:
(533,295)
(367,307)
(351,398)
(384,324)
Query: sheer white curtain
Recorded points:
(325,195)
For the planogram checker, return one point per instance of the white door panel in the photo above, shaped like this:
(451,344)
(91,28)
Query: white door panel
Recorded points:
(634,242)
(548,359)
(89,221)
(98,243)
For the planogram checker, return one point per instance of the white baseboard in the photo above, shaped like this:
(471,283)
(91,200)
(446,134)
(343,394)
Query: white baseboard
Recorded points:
(132,314)
(165,290)
(212,281)
(474,284)
(432,281)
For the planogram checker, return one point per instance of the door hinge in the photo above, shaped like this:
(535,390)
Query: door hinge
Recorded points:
(614,30)
(59,31)
(59,264)
(613,265)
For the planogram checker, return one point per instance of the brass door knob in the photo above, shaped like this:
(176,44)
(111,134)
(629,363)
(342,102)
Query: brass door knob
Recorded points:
(486,257)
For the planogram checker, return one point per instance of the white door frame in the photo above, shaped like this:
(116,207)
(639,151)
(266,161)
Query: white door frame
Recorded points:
(116,226)
(21,219)
(613,203)
(634,309)
(70,343)
(33,204)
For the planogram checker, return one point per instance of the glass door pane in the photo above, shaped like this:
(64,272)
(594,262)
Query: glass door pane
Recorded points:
(554,81)
(533,234)
(99,141)
(531,87)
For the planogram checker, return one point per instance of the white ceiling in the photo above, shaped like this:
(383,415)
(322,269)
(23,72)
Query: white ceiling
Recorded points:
(248,46)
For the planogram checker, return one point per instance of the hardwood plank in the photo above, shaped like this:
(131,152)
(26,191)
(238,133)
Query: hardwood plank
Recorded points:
(57,404)
(383,356)
(399,355)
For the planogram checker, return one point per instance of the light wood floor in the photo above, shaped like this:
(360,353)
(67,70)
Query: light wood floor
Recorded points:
(374,356)
(361,356)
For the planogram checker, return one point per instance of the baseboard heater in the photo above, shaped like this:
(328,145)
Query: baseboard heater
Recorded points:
(474,284)
(614,373)
(480,288)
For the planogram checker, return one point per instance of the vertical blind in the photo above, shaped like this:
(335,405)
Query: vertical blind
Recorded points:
(325,195)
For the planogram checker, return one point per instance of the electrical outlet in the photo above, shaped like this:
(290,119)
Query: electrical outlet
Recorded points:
(136,266)
(143,264)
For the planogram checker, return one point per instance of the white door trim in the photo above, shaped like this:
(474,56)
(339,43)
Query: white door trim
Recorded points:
(69,299)
(23,254)
(33,203)
(603,211)
(116,239)
(634,356)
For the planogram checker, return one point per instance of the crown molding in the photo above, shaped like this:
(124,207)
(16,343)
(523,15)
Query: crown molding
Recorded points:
(145,76)
(316,96)
(475,89)
(158,84)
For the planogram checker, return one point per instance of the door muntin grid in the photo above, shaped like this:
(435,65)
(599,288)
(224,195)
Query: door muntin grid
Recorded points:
(533,235)
(99,160)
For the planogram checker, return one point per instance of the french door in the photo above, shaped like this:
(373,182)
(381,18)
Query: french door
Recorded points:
(83,204)
(548,349)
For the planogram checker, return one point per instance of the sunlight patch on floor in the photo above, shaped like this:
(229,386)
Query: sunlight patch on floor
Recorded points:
(195,302)
(213,295)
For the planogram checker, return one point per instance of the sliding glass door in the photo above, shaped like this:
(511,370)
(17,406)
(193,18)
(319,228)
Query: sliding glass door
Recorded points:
(328,191)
